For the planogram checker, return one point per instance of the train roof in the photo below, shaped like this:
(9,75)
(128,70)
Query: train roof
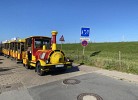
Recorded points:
(13,41)
(39,37)
(21,40)
(5,42)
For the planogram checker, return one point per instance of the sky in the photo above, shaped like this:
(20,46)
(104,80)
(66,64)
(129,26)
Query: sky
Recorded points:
(108,20)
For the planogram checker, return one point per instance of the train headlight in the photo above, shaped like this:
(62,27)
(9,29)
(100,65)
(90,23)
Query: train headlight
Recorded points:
(42,56)
(47,61)
(67,59)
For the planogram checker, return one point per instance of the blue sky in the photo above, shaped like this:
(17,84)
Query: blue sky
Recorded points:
(109,20)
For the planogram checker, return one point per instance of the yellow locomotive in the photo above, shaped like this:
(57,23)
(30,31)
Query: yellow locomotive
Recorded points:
(39,53)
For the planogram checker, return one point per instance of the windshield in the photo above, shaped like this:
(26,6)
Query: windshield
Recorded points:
(40,42)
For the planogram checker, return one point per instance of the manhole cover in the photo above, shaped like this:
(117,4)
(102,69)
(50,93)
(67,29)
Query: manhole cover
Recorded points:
(71,81)
(89,96)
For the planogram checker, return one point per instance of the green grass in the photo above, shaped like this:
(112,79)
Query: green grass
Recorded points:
(106,55)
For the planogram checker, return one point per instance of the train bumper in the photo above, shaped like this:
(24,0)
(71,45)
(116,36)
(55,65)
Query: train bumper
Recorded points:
(50,67)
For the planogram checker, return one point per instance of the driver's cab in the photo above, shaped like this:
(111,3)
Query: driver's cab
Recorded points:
(35,43)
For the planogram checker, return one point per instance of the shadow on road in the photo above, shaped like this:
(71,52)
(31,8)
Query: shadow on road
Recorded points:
(5,69)
(58,72)
(1,59)
(19,62)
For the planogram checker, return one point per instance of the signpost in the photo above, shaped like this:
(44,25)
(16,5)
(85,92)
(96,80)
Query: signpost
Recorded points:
(84,37)
(85,32)
(84,43)
(62,40)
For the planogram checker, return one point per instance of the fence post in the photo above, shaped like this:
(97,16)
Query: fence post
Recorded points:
(120,59)
(78,54)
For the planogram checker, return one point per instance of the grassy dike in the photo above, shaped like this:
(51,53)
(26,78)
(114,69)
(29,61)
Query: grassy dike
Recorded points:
(121,56)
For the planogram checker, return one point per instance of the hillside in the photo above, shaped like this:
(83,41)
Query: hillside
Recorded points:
(122,56)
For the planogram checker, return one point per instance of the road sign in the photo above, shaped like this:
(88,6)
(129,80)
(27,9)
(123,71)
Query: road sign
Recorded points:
(84,43)
(61,38)
(85,38)
(85,32)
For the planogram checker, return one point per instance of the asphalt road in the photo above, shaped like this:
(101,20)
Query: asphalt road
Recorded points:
(18,83)
(107,88)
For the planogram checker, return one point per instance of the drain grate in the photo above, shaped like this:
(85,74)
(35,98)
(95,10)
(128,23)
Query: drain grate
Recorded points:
(89,96)
(71,81)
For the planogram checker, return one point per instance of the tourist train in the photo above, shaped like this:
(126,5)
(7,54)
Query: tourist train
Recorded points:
(39,52)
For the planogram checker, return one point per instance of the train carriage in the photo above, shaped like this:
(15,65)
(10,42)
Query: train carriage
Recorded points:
(13,49)
(20,50)
(5,48)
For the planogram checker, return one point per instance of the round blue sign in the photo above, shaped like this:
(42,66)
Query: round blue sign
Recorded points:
(84,43)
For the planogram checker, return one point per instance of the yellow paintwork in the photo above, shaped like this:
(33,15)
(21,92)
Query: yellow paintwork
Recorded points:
(42,62)
(54,32)
(8,52)
(33,64)
(11,53)
(57,57)
(5,51)
(14,54)
(23,54)
(44,47)
(24,61)
(33,58)
(25,57)
(21,40)
(54,46)
(19,56)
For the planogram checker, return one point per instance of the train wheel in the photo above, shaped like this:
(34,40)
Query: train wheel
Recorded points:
(24,65)
(27,66)
(38,69)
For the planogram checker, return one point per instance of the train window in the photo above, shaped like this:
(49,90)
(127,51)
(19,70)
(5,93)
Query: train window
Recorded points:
(22,46)
(40,42)
(29,42)
(11,46)
(18,46)
(15,46)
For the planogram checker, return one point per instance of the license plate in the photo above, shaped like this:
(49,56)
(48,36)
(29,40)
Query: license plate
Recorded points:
(59,65)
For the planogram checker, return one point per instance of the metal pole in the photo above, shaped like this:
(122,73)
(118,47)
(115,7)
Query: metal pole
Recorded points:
(61,45)
(120,59)
(83,51)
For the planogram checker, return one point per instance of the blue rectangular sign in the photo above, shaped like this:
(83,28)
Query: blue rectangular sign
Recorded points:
(85,32)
